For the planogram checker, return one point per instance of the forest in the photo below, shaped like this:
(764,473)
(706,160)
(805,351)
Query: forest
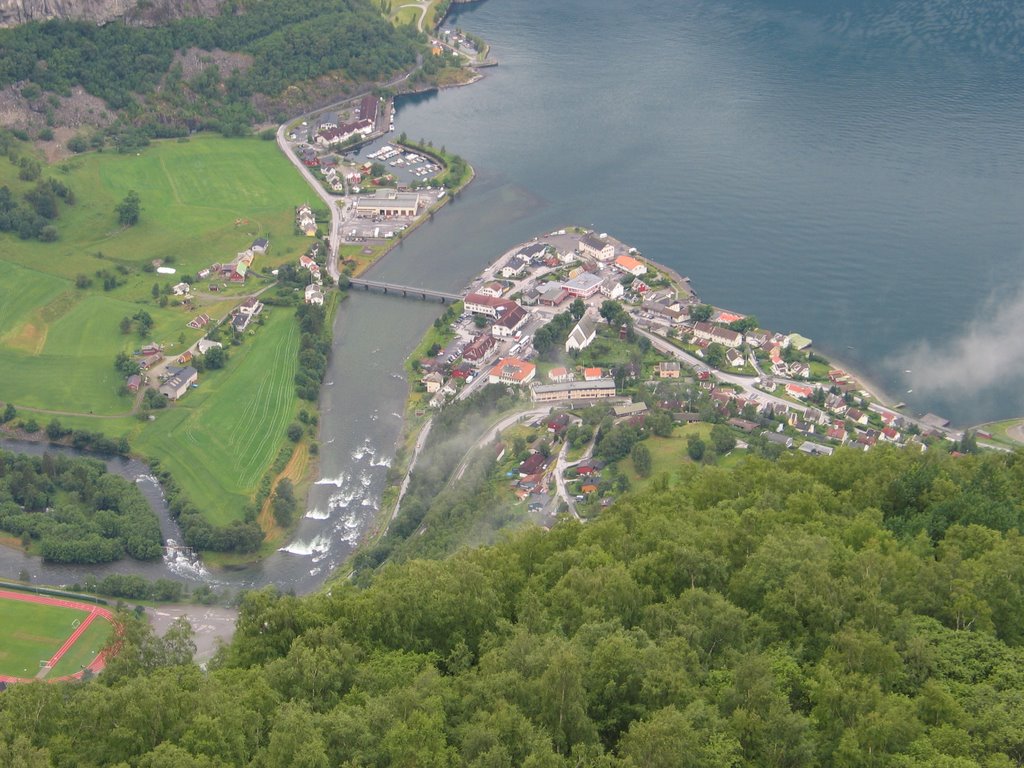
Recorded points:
(283,44)
(861,610)
(71,510)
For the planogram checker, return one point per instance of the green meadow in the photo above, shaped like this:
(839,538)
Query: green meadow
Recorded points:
(203,201)
(219,439)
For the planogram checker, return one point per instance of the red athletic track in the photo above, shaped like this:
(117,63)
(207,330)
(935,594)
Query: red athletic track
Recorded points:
(96,665)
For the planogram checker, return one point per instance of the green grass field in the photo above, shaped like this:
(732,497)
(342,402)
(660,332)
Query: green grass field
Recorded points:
(31,632)
(203,201)
(221,437)
(84,650)
(667,454)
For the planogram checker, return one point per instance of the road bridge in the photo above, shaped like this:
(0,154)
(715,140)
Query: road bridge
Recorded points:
(406,291)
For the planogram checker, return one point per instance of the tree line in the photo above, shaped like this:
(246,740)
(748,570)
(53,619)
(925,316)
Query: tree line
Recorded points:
(772,614)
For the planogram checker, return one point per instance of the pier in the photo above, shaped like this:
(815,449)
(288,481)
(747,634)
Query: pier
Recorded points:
(406,291)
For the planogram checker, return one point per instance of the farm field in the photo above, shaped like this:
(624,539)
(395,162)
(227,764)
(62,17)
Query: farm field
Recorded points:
(31,632)
(220,438)
(203,201)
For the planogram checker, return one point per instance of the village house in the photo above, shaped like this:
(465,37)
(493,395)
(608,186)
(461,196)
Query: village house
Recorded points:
(778,438)
(478,348)
(134,382)
(612,288)
(595,246)
(716,334)
(314,295)
(533,253)
(836,404)
(488,306)
(756,338)
(199,322)
(515,267)
(631,266)
(178,384)
(857,416)
(557,424)
(629,409)
(494,289)
(799,391)
(260,245)
(509,321)
(798,370)
(837,432)
(581,335)
(816,449)
(181,289)
(668,370)
(533,464)
(251,306)
(734,358)
(742,424)
(511,370)
(328,120)
(560,375)
(433,382)
(592,374)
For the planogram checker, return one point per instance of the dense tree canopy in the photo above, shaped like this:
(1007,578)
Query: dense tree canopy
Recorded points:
(861,610)
(74,510)
(285,43)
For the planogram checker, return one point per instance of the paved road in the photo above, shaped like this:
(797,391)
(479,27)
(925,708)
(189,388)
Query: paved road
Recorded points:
(746,383)
(337,219)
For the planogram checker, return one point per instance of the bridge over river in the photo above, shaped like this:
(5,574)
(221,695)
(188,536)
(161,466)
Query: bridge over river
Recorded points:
(406,291)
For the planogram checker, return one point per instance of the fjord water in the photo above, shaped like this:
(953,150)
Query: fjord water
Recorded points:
(852,170)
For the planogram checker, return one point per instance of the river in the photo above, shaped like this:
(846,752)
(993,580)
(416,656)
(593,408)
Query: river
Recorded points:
(851,170)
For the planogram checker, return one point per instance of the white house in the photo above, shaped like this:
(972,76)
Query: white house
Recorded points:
(597,247)
(314,295)
(631,266)
(581,336)
(612,288)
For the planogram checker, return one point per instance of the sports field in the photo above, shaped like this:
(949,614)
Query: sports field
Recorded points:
(65,634)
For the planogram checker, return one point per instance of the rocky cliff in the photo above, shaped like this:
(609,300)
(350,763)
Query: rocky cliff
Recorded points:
(140,12)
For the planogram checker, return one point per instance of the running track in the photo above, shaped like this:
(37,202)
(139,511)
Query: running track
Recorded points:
(96,665)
